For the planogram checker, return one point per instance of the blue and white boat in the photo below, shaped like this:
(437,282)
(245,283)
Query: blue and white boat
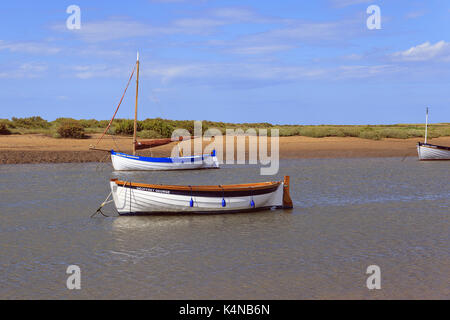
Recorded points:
(123,161)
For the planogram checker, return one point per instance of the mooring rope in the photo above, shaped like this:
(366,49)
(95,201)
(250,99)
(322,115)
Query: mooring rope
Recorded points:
(102,205)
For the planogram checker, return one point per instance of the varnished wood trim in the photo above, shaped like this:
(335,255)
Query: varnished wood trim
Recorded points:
(218,188)
(287,201)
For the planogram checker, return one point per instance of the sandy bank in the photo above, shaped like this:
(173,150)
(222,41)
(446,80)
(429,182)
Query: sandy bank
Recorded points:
(36,148)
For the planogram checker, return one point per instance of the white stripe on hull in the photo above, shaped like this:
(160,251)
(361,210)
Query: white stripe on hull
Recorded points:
(429,153)
(123,164)
(135,201)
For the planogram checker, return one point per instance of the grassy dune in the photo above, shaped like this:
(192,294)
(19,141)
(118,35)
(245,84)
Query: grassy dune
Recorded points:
(158,128)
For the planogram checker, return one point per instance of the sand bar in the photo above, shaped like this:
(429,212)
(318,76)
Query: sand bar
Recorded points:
(36,148)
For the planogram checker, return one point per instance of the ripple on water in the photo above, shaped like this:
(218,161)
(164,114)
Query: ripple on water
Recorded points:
(349,213)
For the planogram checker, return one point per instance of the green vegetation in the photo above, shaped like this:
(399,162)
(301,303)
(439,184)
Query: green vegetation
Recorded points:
(69,128)
(30,123)
(162,128)
(125,127)
(373,132)
(4,129)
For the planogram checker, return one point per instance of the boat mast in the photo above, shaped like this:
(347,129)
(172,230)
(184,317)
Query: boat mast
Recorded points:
(426,126)
(136,105)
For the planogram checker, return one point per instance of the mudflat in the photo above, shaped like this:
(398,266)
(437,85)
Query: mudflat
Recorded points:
(37,148)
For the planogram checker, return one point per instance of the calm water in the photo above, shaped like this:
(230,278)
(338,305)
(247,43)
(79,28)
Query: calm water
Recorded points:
(349,214)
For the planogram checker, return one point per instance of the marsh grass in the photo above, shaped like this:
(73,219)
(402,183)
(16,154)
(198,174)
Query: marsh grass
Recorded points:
(162,128)
(372,132)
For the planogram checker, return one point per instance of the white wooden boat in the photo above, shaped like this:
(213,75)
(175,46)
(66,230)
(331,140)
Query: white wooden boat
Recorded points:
(123,161)
(132,162)
(427,151)
(132,198)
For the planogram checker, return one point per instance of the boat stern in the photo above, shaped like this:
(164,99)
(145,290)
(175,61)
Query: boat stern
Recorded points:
(211,162)
(287,201)
(281,198)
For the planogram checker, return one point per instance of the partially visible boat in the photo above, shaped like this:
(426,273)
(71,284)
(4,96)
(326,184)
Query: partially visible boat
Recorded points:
(427,151)
(131,198)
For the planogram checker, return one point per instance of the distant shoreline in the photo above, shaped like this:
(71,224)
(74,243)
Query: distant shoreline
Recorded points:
(38,148)
(153,128)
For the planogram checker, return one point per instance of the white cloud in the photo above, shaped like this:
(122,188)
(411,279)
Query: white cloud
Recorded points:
(261,49)
(364,71)
(205,22)
(257,73)
(353,56)
(240,14)
(440,51)
(108,30)
(98,71)
(290,35)
(415,14)
(167,1)
(28,47)
(261,73)
(321,33)
(345,3)
(113,29)
(42,48)
(196,24)
(101,52)
(231,13)
(25,70)
(178,1)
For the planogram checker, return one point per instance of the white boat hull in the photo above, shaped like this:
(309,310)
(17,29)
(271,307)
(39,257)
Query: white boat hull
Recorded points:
(125,162)
(432,152)
(138,200)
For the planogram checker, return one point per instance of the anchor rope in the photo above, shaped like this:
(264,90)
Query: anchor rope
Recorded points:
(102,205)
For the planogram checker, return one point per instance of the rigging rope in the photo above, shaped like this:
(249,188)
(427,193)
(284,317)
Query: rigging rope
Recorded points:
(120,102)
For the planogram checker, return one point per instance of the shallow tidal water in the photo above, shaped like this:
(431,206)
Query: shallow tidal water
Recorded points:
(349,214)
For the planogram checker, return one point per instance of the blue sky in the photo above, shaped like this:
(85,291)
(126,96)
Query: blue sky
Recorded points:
(287,62)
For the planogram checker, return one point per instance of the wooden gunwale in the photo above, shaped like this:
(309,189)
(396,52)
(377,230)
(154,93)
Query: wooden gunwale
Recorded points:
(433,146)
(230,187)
